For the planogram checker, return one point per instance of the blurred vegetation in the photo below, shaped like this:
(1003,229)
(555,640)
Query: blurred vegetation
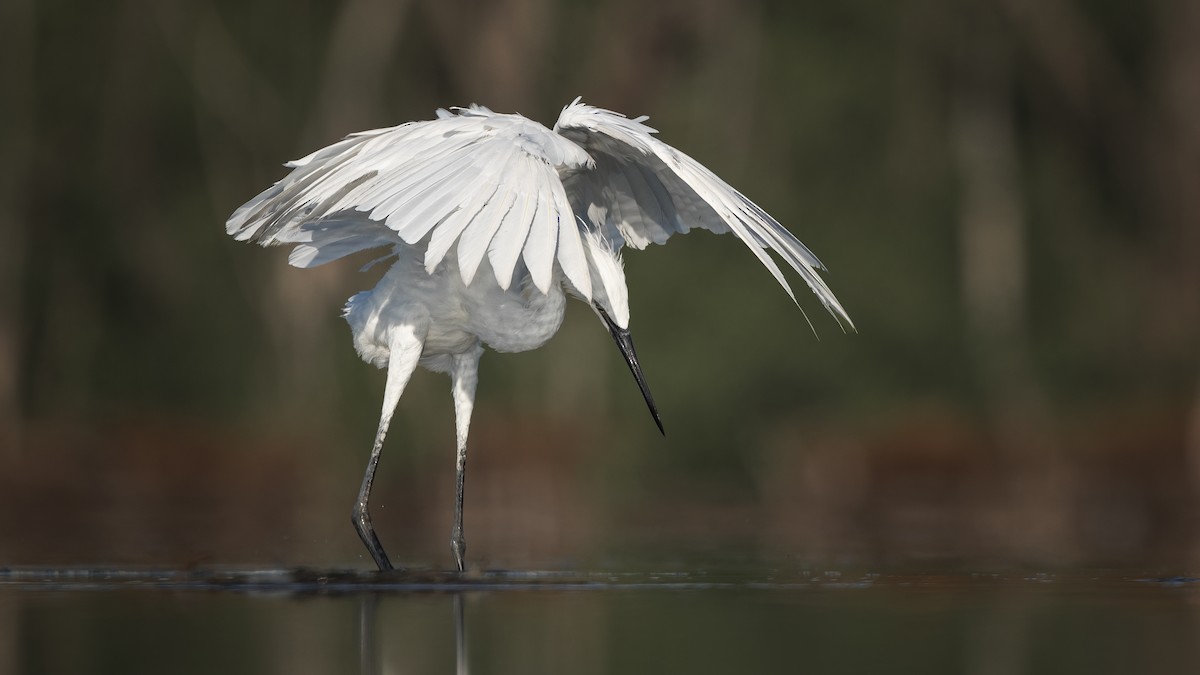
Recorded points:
(1005,192)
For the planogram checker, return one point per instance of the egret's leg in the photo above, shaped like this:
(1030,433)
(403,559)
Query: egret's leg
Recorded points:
(464,376)
(407,342)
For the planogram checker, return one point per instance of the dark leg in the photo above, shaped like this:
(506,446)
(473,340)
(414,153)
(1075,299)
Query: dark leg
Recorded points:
(464,377)
(407,343)
(458,541)
(362,517)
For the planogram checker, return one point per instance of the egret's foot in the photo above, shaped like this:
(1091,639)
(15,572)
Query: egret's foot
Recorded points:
(458,546)
(366,531)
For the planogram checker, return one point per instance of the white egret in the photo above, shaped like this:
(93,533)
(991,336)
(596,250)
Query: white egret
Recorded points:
(492,220)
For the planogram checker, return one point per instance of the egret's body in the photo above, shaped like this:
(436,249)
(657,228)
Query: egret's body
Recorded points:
(492,221)
(459,316)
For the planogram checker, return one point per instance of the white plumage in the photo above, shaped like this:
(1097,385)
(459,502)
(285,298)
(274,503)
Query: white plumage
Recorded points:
(492,220)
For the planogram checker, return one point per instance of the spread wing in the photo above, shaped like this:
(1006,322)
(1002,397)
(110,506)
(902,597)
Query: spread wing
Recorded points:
(472,181)
(642,191)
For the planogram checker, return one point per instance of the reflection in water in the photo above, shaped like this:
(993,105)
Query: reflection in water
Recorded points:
(998,638)
(255,622)
(369,658)
(460,637)
(368,637)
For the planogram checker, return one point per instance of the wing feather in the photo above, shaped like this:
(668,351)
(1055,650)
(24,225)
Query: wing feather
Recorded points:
(571,257)
(426,210)
(477,235)
(480,183)
(400,187)
(540,245)
(649,191)
(485,183)
(509,241)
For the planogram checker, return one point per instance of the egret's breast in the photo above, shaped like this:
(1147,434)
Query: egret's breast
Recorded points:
(455,315)
(512,320)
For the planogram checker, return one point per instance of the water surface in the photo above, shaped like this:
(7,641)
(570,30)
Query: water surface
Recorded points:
(764,620)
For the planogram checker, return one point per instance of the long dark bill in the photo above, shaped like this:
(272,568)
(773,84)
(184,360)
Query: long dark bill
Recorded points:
(625,344)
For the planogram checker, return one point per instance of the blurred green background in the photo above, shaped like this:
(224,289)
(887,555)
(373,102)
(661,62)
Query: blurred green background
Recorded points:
(1005,192)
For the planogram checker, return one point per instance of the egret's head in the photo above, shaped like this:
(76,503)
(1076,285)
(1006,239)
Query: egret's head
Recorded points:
(610,295)
(610,301)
